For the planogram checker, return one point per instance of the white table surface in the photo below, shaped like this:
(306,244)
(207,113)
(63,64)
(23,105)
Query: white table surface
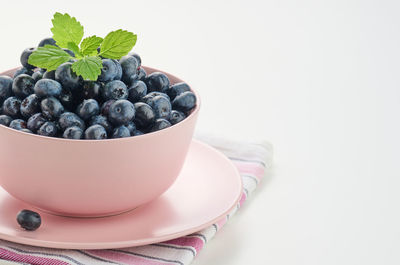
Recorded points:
(318,79)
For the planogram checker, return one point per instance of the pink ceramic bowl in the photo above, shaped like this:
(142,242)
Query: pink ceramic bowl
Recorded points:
(90,178)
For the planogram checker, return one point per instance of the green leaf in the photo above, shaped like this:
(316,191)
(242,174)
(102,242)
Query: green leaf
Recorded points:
(75,49)
(89,45)
(66,29)
(88,67)
(117,44)
(49,57)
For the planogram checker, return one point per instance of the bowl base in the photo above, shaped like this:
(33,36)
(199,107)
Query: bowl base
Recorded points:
(83,215)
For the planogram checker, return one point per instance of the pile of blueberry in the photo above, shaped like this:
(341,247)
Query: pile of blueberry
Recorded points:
(123,102)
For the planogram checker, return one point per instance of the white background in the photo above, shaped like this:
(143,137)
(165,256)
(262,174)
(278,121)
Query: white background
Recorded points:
(318,79)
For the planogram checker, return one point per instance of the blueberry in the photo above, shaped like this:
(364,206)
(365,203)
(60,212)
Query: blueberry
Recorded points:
(47,41)
(77,94)
(50,75)
(25,56)
(91,89)
(176,117)
(87,109)
(119,70)
(5,120)
(144,115)
(11,107)
(141,74)
(29,220)
(96,132)
(177,89)
(47,88)
(110,71)
(67,99)
(69,119)
(48,129)
(160,124)
(131,127)
(18,124)
(101,120)
(157,82)
(23,70)
(30,106)
(151,95)
(114,90)
(23,85)
(51,108)
(137,91)
(69,52)
(5,87)
(36,121)
(37,76)
(137,57)
(137,132)
(67,77)
(121,112)
(73,132)
(121,132)
(161,106)
(105,108)
(184,102)
(98,51)
(26,130)
(129,66)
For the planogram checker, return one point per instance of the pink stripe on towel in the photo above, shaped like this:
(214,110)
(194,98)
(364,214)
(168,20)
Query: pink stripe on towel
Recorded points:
(242,199)
(194,242)
(29,259)
(250,168)
(221,222)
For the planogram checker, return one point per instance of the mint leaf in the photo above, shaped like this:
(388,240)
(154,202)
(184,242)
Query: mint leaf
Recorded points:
(48,57)
(88,67)
(117,44)
(75,49)
(89,45)
(66,29)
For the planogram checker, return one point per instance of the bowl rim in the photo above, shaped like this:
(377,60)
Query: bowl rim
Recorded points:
(191,116)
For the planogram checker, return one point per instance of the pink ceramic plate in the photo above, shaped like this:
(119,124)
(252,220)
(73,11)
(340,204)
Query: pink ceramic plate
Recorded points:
(208,187)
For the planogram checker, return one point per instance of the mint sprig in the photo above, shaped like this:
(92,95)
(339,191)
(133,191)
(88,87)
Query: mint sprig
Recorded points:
(68,33)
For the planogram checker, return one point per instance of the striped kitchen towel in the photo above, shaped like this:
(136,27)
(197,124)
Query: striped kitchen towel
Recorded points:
(252,159)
